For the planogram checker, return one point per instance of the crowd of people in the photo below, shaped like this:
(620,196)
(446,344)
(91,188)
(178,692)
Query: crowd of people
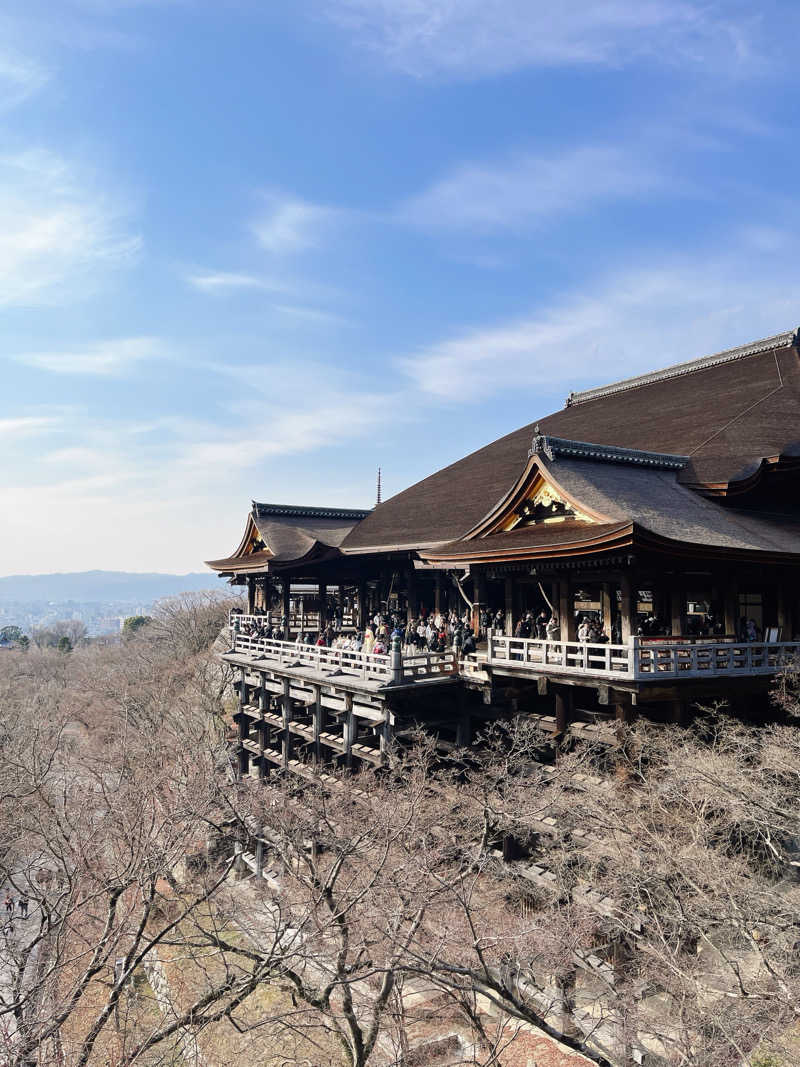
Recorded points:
(442,631)
(432,632)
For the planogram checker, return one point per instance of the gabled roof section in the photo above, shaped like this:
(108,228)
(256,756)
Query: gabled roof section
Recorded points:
(624,502)
(534,499)
(279,535)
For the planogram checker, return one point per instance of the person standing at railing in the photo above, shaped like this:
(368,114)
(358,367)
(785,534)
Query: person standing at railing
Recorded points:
(552,629)
(584,630)
(469,645)
(369,641)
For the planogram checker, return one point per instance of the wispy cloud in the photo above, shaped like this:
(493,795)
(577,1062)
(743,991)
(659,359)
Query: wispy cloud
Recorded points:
(287,225)
(528,188)
(313,315)
(326,422)
(104,358)
(57,230)
(472,38)
(628,323)
(26,425)
(225,281)
(20,77)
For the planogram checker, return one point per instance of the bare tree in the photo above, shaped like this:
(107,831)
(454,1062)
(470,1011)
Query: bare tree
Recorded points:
(638,896)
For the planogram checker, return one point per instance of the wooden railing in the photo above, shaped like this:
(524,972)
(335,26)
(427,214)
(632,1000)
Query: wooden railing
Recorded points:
(393,668)
(703,658)
(643,659)
(299,621)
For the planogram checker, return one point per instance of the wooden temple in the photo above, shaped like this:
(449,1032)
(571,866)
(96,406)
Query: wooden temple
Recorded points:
(665,507)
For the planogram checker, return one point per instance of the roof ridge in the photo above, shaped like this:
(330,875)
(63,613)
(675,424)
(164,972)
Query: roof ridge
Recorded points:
(302,512)
(676,370)
(551,447)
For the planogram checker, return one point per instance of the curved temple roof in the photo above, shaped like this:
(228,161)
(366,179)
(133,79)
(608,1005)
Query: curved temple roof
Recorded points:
(278,534)
(713,421)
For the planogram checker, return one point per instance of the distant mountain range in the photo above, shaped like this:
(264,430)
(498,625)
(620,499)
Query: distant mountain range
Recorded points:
(103,586)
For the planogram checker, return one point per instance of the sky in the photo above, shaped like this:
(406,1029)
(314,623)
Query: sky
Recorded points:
(258,250)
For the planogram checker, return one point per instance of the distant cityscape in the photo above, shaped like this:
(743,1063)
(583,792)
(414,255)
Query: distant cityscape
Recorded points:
(99,617)
(101,600)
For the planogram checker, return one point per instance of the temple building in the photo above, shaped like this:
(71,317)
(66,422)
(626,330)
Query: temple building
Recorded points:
(665,508)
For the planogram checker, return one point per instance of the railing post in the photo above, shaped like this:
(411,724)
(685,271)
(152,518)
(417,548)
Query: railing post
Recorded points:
(489,644)
(396,660)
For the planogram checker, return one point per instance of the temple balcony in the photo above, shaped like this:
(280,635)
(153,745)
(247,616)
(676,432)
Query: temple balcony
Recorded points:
(641,661)
(394,669)
(653,660)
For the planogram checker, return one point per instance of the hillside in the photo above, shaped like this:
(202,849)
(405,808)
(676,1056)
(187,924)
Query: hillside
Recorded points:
(101,586)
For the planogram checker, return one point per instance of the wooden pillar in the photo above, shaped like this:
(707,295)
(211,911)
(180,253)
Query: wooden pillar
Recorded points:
(627,607)
(785,619)
(564,700)
(732,608)
(263,704)
(251,595)
(411,592)
(679,712)
(319,721)
(242,727)
(478,597)
(386,732)
(566,614)
(511,849)
(286,606)
(437,594)
(605,606)
(286,747)
(349,729)
(464,724)
(677,607)
(323,606)
(243,762)
(361,601)
(623,708)
(508,590)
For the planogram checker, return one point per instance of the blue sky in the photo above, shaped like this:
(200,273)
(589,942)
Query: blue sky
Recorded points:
(257,249)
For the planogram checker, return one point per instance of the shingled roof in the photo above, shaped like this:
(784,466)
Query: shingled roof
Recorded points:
(725,413)
(288,534)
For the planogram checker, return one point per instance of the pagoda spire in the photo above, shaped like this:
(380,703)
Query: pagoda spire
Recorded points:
(378,500)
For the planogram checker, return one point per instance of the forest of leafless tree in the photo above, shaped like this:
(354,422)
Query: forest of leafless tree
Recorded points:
(639,899)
